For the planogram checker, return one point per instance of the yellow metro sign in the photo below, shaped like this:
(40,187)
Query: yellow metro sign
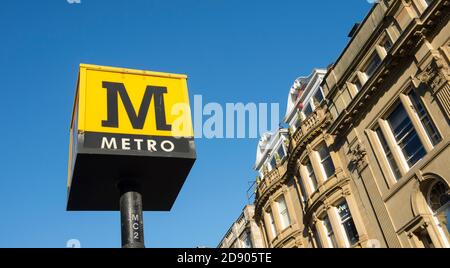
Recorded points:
(132,102)
(133,124)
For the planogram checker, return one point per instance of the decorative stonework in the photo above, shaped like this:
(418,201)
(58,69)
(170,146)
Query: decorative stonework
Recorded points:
(272,182)
(357,157)
(346,192)
(311,127)
(437,78)
(314,218)
(265,170)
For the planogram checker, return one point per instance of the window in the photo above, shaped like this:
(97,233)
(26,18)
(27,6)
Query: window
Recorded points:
(357,84)
(347,223)
(302,189)
(428,2)
(329,232)
(429,126)
(284,214)
(272,223)
(325,160)
(307,110)
(406,136)
(372,65)
(273,163)
(316,238)
(281,152)
(387,152)
(311,175)
(318,96)
(425,238)
(247,240)
(386,44)
(439,202)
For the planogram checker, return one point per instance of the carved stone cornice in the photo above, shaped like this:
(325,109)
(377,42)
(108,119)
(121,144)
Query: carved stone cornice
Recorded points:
(406,46)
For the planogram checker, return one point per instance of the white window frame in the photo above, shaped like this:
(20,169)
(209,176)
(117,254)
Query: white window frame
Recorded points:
(308,173)
(321,161)
(417,126)
(442,236)
(341,222)
(285,219)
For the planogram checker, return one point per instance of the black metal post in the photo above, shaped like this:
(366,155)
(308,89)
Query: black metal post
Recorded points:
(132,221)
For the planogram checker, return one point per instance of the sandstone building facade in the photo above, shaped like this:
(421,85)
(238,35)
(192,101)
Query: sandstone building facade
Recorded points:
(364,159)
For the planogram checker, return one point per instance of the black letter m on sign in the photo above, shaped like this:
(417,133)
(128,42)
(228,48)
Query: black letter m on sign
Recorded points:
(137,119)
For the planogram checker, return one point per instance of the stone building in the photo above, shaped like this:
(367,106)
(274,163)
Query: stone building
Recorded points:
(364,161)
(389,97)
(244,233)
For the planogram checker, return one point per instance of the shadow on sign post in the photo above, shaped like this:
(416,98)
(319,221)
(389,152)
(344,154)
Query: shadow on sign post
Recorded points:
(129,151)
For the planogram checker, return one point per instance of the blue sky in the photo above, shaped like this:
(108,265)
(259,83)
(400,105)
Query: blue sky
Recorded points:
(233,51)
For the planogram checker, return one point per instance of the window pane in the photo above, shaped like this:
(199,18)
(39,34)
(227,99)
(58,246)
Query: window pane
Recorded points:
(406,136)
(387,151)
(272,223)
(386,44)
(372,66)
(429,126)
(302,189)
(357,84)
(281,152)
(318,96)
(247,241)
(330,233)
(307,110)
(284,215)
(428,2)
(317,238)
(311,175)
(326,161)
(347,223)
(273,163)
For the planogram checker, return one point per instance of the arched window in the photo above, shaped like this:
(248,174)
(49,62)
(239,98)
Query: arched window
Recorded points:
(438,196)
(438,199)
